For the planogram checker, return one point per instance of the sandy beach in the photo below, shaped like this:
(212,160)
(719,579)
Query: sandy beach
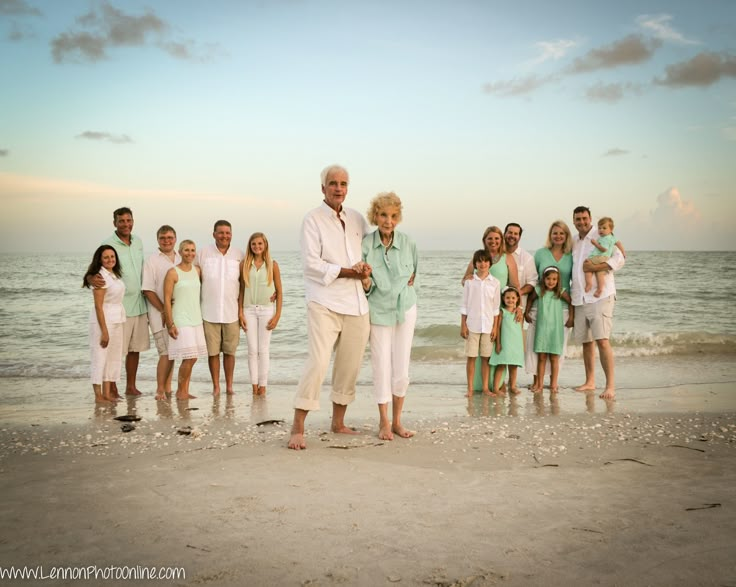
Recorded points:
(587,493)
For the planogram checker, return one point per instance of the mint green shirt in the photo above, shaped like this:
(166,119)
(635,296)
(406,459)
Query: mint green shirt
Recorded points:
(186,310)
(258,292)
(390,295)
(131,265)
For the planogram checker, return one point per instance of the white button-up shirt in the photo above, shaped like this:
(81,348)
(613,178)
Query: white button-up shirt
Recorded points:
(527,269)
(154,274)
(481,302)
(326,248)
(580,250)
(220,283)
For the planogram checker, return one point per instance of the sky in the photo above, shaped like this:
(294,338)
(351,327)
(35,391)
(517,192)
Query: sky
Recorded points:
(475,112)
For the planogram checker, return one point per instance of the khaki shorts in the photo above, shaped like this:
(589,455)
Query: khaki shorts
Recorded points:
(221,338)
(594,321)
(600,259)
(135,334)
(476,342)
(161,338)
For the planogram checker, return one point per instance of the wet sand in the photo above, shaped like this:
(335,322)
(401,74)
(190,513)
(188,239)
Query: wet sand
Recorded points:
(575,491)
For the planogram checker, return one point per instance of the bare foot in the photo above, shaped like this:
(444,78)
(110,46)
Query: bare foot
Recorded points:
(586,387)
(608,394)
(216,390)
(535,389)
(598,293)
(230,392)
(554,389)
(588,288)
(515,390)
(470,393)
(185,396)
(296,441)
(501,392)
(403,432)
(132,392)
(255,388)
(261,390)
(160,396)
(488,392)
(384,433)
(342,429)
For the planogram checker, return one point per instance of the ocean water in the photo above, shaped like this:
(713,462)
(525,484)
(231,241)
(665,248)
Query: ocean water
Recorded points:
(674,309)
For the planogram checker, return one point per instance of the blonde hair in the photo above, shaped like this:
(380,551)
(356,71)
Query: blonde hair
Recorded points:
(496,229)
(606,220)
(184,243)
(250,258)
(567,247)
(383,200)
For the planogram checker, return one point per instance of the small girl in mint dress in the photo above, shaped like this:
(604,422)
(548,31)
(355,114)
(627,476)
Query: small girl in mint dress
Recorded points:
(549,336)
(509,348)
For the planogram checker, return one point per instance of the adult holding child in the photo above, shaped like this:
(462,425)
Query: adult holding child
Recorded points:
(184,316)
(392,302)
(105,322)
(556,252)
(593,313)
(260,287)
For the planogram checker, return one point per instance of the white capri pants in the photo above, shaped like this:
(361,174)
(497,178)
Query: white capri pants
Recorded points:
(259,341)
(530,357)
(390,357)
(105,364)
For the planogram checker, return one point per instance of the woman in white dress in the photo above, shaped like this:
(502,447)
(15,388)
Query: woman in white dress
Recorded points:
(106,323)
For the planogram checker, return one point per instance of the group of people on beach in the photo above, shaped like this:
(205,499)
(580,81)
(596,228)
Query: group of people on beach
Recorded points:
(359,288)
(552,292)
(194,302)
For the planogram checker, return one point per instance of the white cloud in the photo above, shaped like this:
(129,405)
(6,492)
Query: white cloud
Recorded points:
(658,25)
(553,50)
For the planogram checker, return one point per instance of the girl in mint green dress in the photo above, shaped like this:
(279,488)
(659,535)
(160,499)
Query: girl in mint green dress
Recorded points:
(509,348)
(549,336)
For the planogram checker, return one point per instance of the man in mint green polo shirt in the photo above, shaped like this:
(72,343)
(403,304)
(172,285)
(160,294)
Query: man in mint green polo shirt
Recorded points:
(129,249)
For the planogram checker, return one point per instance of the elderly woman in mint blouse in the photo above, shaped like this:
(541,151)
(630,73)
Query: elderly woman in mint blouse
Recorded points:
(392,302)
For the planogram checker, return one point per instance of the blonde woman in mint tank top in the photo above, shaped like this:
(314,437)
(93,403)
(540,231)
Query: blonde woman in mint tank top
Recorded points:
(259,303)
(184,316)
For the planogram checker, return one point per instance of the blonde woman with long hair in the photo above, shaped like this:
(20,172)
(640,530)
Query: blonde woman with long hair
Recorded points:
(259,303)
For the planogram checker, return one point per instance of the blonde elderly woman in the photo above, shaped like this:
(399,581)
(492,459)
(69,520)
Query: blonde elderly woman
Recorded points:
(392,302)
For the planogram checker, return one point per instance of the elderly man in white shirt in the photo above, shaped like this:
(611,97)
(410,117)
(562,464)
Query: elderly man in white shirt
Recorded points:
(154,273)
(220,265)
(593,315)
(337,308)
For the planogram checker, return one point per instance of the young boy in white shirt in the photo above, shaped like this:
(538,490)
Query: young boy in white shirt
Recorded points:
(479,317)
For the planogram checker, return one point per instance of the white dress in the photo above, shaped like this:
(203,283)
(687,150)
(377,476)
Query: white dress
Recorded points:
(105,363)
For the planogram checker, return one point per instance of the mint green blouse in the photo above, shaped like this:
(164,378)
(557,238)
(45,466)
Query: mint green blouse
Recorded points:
(259,291)
(390,295)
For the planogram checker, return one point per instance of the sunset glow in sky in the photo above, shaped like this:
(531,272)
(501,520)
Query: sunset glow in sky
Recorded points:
(476,112)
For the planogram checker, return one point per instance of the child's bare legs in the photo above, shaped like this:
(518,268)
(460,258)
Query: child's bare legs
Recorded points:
(185,375)
(497,375)
(588,281)
(512,379)
(541,366)
(470,373)
(600,280)
(384,424)
(554,363)
(396,426)
(485,373)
